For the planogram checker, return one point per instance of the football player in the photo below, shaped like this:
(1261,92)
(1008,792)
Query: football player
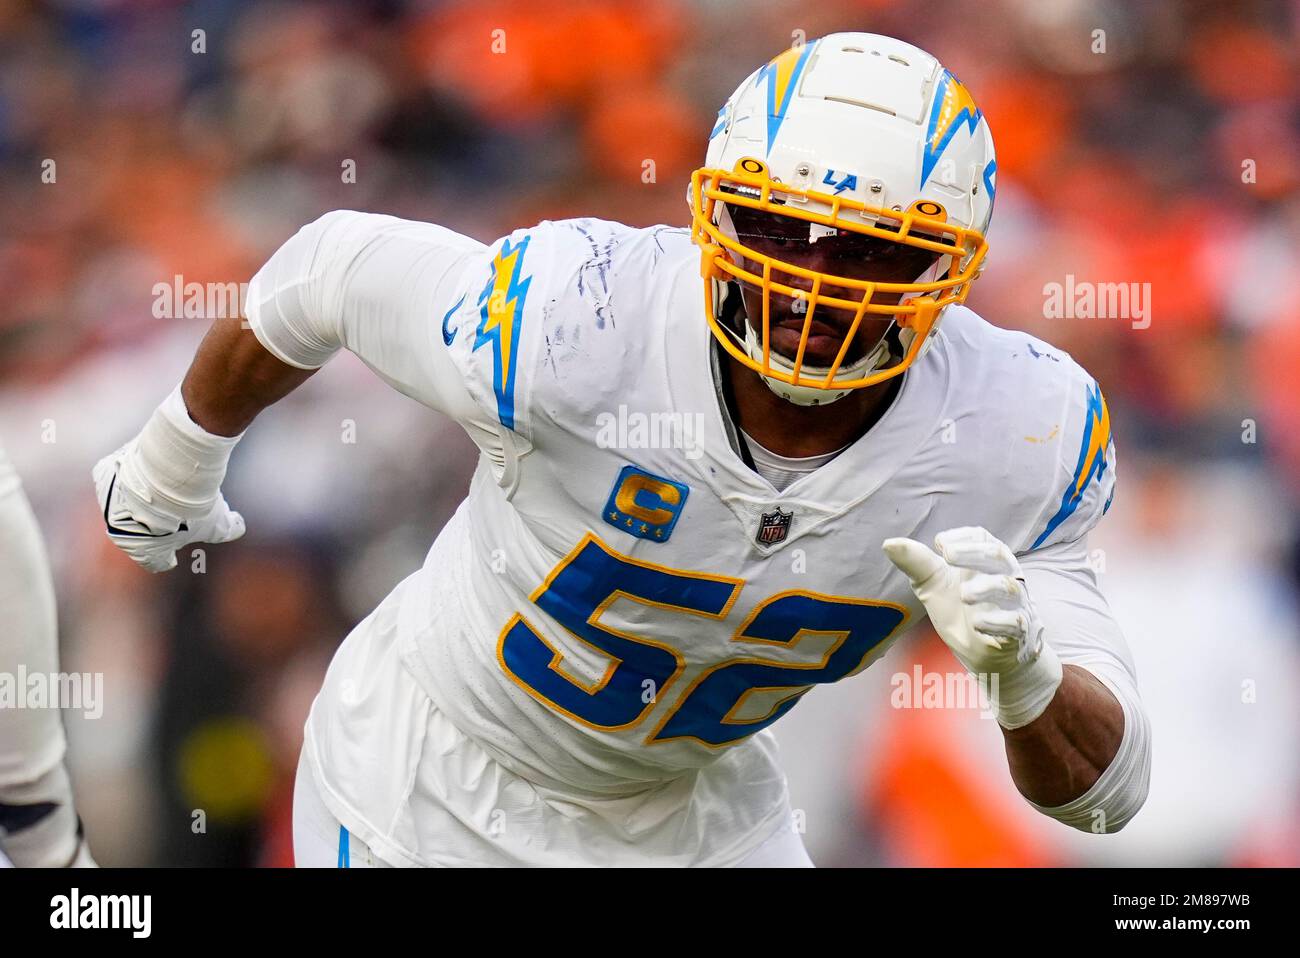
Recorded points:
(718,467)
(39,827)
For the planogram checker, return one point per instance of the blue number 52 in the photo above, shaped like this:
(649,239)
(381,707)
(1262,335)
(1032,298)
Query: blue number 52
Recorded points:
(641,671)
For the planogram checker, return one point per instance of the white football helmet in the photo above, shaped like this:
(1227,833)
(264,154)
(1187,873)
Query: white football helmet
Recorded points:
(862,142)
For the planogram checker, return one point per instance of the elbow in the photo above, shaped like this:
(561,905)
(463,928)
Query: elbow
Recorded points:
(1133,783)
(1137,789)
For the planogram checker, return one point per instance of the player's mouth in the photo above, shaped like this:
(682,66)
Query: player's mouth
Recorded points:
(826,331)
(824,340)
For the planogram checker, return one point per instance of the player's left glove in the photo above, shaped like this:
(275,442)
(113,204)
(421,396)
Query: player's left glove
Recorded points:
(145,524)
(974,591)
(162,490)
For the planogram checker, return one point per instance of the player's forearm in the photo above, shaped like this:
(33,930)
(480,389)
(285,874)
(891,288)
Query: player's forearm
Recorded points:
(1061,754)
(162,490)
(233,377)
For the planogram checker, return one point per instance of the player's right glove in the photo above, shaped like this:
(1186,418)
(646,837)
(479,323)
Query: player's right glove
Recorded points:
(162,490)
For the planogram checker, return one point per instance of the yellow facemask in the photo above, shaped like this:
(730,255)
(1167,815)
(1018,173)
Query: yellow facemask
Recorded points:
(923,226)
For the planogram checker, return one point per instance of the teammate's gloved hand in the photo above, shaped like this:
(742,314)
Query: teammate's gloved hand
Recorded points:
(975,594)
(146,526)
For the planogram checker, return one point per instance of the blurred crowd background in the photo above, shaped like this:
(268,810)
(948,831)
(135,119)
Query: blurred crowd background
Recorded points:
(1172,158)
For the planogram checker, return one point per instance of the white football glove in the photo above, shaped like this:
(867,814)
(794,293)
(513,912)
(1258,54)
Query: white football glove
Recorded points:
(149,528)
(162,490)
(975,594)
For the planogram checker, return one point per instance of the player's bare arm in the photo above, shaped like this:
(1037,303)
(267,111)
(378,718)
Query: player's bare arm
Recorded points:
(162,491)
(1060,755)
(233,378)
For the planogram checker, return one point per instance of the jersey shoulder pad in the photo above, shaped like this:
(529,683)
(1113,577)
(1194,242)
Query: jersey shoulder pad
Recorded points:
(1042,420)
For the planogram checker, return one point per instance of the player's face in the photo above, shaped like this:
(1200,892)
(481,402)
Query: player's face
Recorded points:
(831,252)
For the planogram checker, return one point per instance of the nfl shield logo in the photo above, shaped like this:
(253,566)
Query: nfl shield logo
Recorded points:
(773,527)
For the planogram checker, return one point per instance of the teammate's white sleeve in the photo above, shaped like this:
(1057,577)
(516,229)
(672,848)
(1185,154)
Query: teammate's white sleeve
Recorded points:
(31,740)
(380,287)
(38,823)
(1079,626)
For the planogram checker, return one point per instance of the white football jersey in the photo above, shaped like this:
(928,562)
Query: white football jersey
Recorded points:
(621,607)
(8,475)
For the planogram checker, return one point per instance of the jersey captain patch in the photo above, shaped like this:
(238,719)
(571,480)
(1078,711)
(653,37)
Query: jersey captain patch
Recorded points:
(645,505)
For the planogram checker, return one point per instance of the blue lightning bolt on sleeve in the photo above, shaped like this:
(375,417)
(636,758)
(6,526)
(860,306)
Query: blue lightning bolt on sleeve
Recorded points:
(1089,481)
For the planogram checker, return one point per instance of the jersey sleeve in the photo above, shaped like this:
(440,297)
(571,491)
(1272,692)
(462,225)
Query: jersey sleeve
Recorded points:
(374,285)
(532,330)
(451,322)
(465,328)
(493,331)
(1083,482)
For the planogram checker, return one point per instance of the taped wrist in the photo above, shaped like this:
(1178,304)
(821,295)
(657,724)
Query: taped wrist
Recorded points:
(1024,691)
(178,460)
